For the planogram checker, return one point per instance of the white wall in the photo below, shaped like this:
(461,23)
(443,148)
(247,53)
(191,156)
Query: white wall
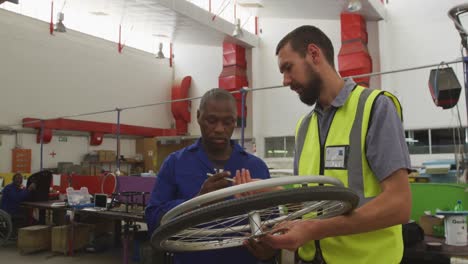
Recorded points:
(418,33)
(276,111)
(204,64)
(47,76)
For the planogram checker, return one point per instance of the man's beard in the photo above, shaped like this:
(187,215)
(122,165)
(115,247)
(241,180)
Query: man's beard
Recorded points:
(311,89)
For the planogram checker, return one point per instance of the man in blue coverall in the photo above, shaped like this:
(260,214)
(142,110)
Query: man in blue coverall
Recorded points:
(13,195)
(183,176)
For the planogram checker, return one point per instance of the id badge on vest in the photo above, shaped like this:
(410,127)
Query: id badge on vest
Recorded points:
(336,157)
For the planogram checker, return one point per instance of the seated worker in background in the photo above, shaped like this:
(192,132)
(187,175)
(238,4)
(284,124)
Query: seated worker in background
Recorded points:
(14,194)
(183,176)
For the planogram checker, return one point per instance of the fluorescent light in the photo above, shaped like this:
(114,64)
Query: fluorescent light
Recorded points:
(99,13)
(411,140)
(160,35)
(277,151)
(250,3)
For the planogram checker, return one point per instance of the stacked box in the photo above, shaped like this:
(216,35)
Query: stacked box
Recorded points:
(34,238)
(102,155)
(62,237)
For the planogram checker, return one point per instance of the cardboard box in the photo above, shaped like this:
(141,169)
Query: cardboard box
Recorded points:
(147,148)
(107,155)
(34,238)
(111,155)
(428,221)
(102,155)
(61,237)
(156,150)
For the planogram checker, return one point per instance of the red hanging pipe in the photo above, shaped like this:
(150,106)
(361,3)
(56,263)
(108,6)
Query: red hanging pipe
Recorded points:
(119,45)
(51,25)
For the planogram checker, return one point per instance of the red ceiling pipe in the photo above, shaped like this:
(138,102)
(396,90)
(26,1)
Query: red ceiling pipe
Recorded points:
(354,58)
(181,110)
(96,127)
(234,77)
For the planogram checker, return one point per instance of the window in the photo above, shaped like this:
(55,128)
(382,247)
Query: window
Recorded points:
(290,146)
(436,141)
(445,140)
(279,147)
(418,141)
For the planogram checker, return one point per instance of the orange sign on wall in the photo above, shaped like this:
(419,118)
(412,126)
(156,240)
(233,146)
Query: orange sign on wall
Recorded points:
(21,160)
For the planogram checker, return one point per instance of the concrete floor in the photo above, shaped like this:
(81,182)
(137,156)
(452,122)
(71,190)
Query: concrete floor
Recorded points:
(10,254)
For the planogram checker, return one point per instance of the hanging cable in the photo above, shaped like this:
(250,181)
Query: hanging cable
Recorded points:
(63,6)
(222,8)
(233,92)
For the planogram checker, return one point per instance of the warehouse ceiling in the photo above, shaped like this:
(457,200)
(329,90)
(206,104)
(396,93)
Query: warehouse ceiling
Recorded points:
(146,23)
(318,9)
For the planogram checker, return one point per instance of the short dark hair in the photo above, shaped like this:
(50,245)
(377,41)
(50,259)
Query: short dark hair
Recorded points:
(217,94)
(302,36)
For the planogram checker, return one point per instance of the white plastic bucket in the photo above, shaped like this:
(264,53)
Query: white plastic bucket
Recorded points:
(455,230)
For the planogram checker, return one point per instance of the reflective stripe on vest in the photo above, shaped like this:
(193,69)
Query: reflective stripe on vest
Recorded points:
(355,151)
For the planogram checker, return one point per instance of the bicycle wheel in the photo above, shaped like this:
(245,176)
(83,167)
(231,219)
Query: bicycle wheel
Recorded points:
(228,223)
(225,193)
(6,227)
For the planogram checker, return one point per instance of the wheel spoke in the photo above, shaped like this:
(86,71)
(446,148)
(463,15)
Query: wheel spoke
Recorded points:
(209,234)
(233,221)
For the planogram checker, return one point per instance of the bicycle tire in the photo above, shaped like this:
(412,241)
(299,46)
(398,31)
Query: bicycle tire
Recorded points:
(7,228)
(222,194)
(245,205)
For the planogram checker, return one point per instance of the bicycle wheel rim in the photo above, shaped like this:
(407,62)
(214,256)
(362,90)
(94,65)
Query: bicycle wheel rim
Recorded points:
(196,230)
(218,195)
(6,227)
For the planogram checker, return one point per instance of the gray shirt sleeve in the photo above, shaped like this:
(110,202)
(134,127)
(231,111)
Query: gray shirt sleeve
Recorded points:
(386,148)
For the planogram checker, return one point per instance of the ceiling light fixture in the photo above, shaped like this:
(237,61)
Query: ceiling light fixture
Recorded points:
(160,54)
(250,3)
(99,13)
(160,35)
(354,5)
(59,26)
(237,29)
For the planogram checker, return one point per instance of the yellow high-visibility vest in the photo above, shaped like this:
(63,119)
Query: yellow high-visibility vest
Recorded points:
(347,137)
